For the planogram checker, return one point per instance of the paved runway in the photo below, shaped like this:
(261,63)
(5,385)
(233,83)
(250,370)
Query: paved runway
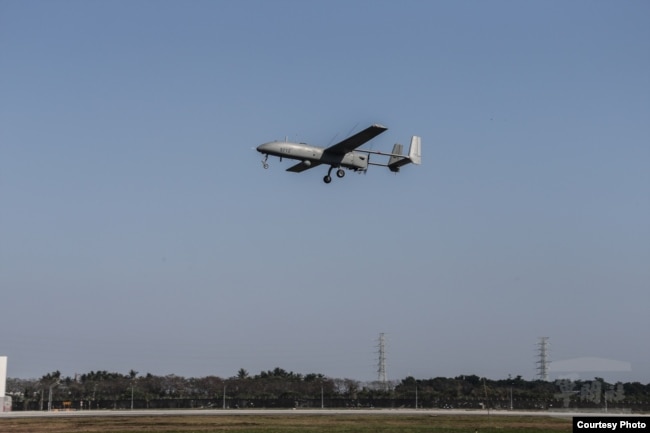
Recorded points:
(292,412)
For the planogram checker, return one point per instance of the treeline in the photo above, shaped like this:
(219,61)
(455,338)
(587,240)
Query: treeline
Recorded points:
(280,388)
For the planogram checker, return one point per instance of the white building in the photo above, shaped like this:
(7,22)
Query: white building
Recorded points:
(5,401)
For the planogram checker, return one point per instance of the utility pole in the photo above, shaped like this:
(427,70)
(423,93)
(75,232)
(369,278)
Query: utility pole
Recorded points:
(511,397)
(224,395)
(487,403)
(416,395)
(49,398)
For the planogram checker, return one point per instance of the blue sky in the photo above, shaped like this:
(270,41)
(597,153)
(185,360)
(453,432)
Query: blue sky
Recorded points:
(138,229)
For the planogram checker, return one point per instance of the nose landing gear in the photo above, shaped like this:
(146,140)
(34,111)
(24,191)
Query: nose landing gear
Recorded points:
(264,163)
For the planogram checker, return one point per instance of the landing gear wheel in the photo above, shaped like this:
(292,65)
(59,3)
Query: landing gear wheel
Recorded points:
(265,165)
(340,173)
(328,177)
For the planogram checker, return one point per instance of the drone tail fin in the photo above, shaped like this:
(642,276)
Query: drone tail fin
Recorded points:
(415,150)
(396,156)
(414,157)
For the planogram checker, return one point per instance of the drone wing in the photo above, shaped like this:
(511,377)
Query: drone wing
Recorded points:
(302,166)
(342,147)
(358,139)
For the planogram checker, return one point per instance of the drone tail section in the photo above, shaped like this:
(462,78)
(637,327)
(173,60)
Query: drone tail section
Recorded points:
(396,160)
(415,150)
(396,157)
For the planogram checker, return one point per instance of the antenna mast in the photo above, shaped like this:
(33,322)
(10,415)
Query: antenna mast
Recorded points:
(381,363)
(543,362)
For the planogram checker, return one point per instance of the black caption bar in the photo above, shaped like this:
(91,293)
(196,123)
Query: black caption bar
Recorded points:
(625,424)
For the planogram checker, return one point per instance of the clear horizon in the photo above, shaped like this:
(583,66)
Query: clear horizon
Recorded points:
(138,229)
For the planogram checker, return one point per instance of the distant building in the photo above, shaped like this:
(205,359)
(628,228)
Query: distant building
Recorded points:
(5,401)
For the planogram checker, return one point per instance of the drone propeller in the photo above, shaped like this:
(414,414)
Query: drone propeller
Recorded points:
(372,146)
(353,128)
(337,134)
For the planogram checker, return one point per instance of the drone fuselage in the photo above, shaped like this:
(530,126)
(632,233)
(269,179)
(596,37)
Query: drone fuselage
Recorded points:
(312,155)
